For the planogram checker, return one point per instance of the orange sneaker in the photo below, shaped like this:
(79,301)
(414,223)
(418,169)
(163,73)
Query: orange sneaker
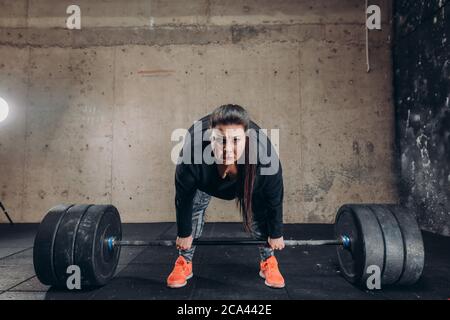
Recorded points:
(180,273)
(270,272)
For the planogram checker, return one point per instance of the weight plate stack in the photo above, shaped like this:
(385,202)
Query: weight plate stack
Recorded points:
(65,241)
(366,242)
(97,263)
(414,253)
(393,244)
(44,244)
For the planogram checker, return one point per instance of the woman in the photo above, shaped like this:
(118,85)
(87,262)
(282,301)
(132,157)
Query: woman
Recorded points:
(239,171)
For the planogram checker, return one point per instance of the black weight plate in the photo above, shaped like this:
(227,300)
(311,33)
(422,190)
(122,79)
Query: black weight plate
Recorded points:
(393,243)
(346,224)
(65,241)
(414,252)
(367,246)
(44,242)
(97,263)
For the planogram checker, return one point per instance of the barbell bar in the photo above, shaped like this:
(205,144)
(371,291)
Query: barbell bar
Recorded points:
(90,236)
(112,242)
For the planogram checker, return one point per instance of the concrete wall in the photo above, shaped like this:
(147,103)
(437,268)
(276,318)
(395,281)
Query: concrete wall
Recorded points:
(92,110)
(422,87)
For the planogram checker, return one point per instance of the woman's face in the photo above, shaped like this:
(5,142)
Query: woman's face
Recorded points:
(228,142)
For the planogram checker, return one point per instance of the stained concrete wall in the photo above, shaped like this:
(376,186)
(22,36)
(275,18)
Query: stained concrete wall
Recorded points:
(422,91)
(92,110)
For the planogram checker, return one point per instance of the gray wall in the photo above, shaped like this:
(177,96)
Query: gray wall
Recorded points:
(92,111)
(422,87)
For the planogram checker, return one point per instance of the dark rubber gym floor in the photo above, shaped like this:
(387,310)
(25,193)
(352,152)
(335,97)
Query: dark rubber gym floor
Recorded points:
(219,272)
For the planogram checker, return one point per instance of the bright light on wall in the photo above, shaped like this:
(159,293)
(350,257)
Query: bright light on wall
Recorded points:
(4,109)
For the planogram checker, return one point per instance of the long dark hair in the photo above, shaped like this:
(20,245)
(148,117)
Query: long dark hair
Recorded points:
(235,114)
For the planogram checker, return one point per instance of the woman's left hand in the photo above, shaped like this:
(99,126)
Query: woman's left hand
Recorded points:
(276,244)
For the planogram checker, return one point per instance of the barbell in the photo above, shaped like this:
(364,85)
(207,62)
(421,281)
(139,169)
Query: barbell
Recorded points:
(90,236)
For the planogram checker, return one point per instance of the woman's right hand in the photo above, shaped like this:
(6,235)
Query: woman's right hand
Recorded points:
(184,243)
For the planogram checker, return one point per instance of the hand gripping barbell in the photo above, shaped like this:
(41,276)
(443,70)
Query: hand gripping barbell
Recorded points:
(90,236)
